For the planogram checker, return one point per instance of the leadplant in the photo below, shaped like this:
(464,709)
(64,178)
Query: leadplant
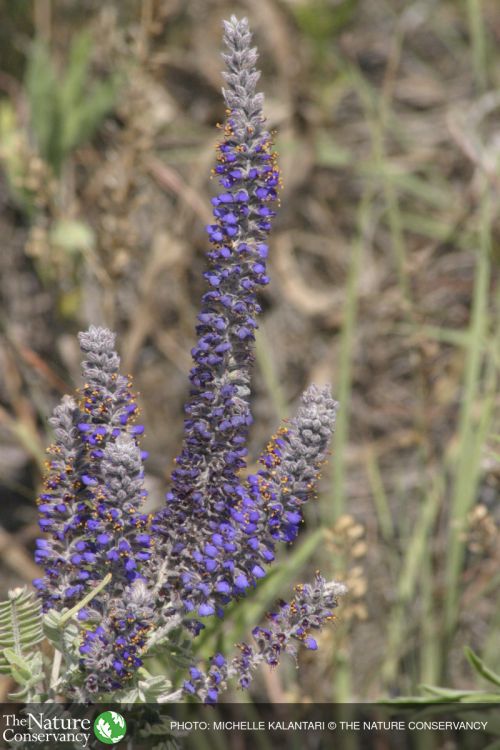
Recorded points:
(121,585)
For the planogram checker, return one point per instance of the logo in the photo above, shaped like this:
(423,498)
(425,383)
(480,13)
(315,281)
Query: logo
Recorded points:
(110,727)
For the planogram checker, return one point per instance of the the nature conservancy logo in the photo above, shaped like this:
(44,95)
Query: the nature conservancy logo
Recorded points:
(50,728)
(110,727)
(34,727)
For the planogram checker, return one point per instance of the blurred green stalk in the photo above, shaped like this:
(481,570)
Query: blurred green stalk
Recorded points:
(470,435)
(342,690)
(478,38)
(265,360)
(342,391)
(412,571)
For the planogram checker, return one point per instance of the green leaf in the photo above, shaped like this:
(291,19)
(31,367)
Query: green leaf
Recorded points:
(480,667)
(447,693)
(28,675)
(72,88)
(66,110)
(20,628)
(412,699)
(80,122)
(42,87)
(17,662)
(478,697)
(444,695)
(52,628)
(147,689)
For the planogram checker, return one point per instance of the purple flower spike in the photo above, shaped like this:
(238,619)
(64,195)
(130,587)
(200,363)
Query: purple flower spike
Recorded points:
(92,499)
(206,481)
(84,485)
(311,608)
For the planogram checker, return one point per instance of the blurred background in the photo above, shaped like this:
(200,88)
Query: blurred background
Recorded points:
(384,282)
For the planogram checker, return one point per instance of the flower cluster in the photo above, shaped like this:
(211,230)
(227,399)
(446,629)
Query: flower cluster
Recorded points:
(225,551)
(111,652)
(311,607)
(218,530)
(292,461)
(93,492)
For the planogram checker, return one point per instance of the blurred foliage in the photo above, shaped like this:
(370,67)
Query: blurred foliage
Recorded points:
(16,19)
(323,19)
(434,694)
(66,110)
(10,140)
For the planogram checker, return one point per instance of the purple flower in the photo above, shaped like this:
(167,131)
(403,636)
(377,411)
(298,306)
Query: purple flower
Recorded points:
(310,643)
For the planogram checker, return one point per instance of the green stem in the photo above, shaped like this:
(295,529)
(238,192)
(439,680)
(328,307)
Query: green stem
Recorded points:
(347,340)
(413,563)
(468,458)
(56,667)
(86,599)
(478,39)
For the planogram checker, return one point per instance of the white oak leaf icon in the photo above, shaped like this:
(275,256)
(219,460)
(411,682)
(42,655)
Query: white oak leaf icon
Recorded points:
(104,728)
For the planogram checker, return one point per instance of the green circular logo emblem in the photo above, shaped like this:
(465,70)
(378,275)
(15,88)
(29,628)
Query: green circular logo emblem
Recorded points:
(110,727)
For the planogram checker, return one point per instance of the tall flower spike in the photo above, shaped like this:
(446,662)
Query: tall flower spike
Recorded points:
(268,509)
(205,482)
(218,410)
(90,505)
(219,531)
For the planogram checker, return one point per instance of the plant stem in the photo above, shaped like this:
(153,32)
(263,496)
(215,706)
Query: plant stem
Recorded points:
(467,462)
(86,599)
(56,666)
